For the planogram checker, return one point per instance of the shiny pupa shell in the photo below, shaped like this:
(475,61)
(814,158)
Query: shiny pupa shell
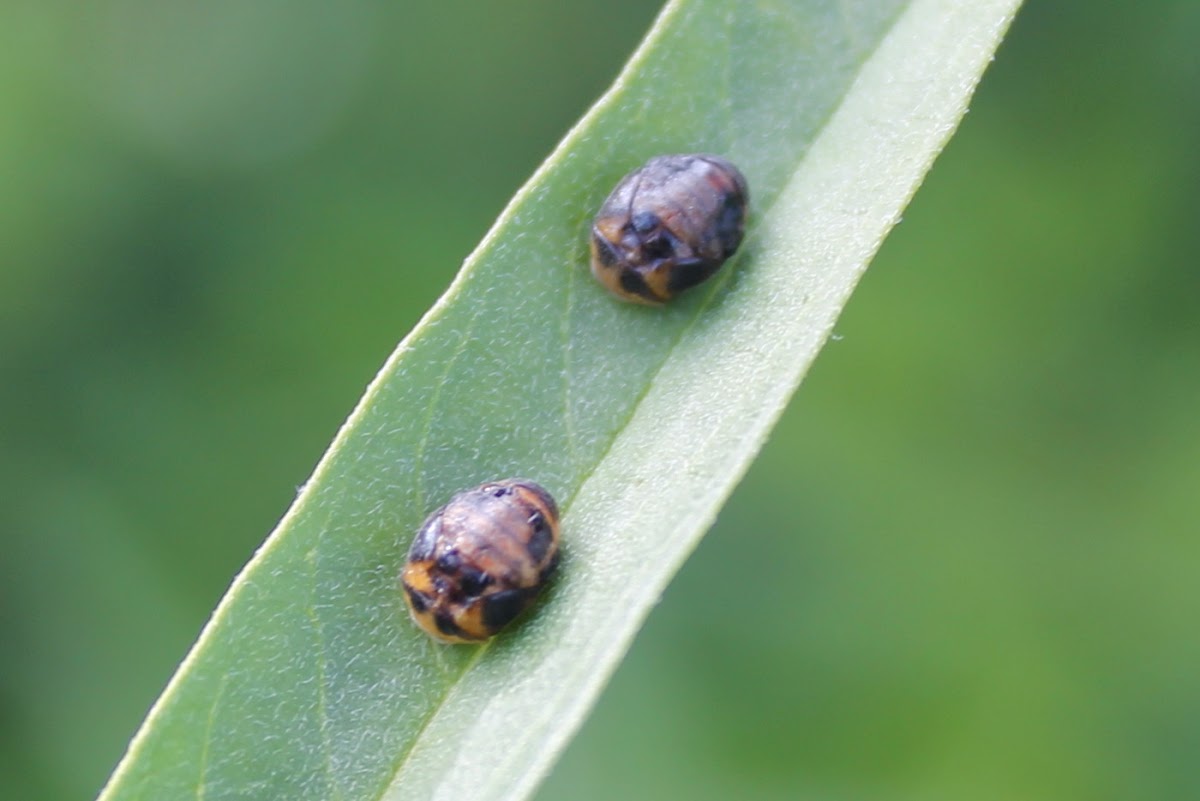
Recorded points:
(668,226)
(481,560)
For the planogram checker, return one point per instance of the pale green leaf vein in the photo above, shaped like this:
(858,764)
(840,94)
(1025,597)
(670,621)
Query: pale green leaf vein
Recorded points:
(322,657)
(206,742)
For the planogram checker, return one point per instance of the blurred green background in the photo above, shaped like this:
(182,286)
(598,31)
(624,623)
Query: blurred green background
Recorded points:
(966,565)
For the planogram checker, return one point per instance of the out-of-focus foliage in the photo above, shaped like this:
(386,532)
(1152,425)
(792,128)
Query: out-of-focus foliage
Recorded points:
(964,567)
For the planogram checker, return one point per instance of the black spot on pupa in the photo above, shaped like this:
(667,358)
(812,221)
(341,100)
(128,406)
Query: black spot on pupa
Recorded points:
(446,624)
(500,609)
(542,539)
(472,581)
(689,272)
(633,283)
(449,562)
(729,225)
(418,601)
(606,254)
(644,222)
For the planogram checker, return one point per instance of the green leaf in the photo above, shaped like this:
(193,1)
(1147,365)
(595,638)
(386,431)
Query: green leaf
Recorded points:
(310,682)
